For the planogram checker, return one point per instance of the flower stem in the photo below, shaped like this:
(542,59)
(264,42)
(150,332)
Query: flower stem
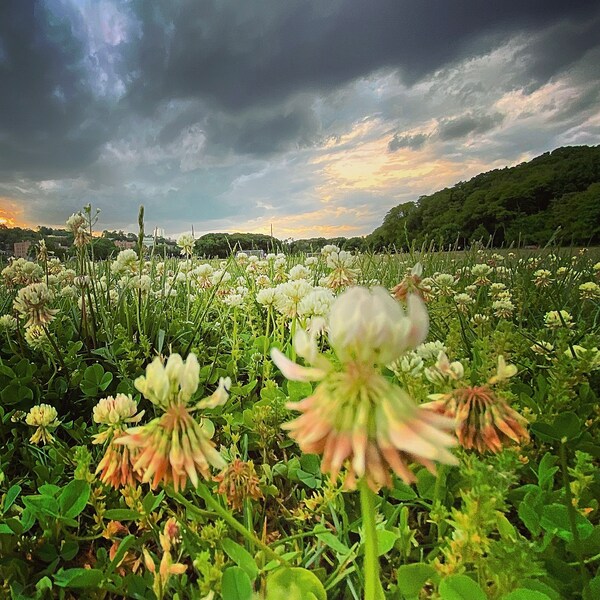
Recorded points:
(215,506)
(373,589)
(571,512)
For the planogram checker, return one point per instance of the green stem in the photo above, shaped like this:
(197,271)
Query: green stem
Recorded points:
(571,512)
(440,487)
(57,350)
(373,589)
(211,503)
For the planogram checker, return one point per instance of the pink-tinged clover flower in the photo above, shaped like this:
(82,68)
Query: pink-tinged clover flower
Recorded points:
(174,447)
(483,420)
(114,415)
(355,416)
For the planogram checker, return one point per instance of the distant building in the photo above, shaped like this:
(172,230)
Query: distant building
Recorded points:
(125,244)
(21,249)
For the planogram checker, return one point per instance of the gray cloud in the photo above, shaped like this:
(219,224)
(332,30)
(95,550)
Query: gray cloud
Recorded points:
(241,54)
(459,127)
(414,142)
(222,111)
(50,120)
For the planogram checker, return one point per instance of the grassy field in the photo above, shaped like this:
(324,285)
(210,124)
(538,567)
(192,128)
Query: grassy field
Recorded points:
(420,425)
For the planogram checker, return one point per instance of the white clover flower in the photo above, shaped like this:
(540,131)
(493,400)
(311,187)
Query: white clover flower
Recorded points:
(503,308)
(589,290)
(479,319)
(298,272)
(44,417)
(443,283)
(32,304)
(280,263)
(289,295)
(542,278)
(116,411)
(178,380)
(410,364)
(444,370)
(262,281)
(430,350)
(267,297)
(221,277)
(186,243)
(233,300)
(481,270)
(496,289)
(542,347)
(355,416)
(329,249)
(36,338)
(317,303)
(8,323)
(556,319)
(384,336)
(126,262)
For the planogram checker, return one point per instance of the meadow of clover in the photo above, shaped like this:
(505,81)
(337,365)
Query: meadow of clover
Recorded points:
(342,426)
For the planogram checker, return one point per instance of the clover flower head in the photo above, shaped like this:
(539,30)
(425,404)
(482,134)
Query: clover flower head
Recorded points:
(483,420)
(36,338)
(77,224)
(556,319)
(44,417)
(8,323)
(32,304)
(126,263)
(175,381)
(589,290)
(383,335)
(174,447)
(355,416)
(444,370)
(116,411)
(186,243)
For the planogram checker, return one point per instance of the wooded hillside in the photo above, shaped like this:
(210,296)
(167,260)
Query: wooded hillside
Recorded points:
(526,204)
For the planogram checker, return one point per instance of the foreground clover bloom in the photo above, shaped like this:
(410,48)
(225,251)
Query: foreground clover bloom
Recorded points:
(483,420)
(355,414)
(32,304)
(116,466)
(44,418)
(174,446)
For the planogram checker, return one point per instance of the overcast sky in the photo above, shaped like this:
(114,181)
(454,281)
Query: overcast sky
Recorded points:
(315,116)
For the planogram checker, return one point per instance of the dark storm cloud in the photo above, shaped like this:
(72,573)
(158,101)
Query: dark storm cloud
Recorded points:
(228,109)
(414,142)
(459,127)
(560,46)
(50,121)
(241,54)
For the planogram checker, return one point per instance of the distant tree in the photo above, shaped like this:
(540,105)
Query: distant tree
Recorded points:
(524,203)
(104,248)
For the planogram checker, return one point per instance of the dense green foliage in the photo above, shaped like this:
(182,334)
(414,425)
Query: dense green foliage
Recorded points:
(522,523)
(524,204)
(221,245)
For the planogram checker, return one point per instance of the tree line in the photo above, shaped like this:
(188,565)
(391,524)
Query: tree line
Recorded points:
(555,196)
